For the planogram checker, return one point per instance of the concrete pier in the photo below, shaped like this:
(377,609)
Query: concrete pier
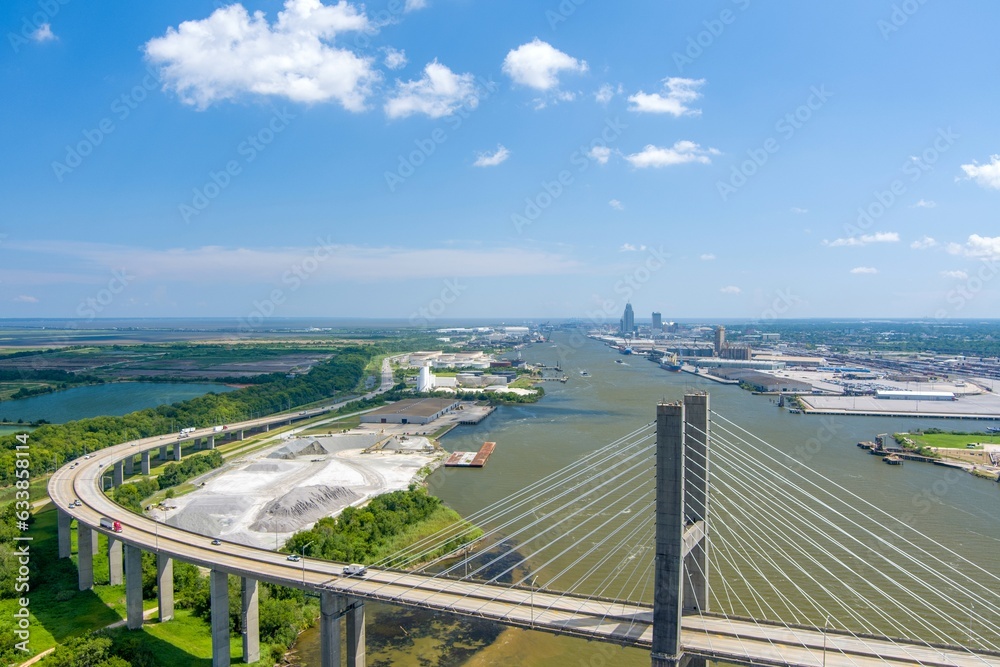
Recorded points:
(85,539)
(356,633)
(696,466)
(130,465)
(133,587)
(267,427)
(219,597)
(63,522)
(251,620)
(177,451)
(667,593)
(165,586)
(163,453)
(211,442)
(114,561)
(119,474)
(145,463)
(331,608)
(239,434)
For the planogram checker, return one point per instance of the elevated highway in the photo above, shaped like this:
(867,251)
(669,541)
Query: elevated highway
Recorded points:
(702,636)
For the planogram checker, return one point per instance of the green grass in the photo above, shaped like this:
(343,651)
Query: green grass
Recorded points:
(952,440)
(346,423)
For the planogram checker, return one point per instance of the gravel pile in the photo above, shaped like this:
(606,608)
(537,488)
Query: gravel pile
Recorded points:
(302,506)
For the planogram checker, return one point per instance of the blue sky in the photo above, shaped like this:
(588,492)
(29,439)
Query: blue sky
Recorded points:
(426,159)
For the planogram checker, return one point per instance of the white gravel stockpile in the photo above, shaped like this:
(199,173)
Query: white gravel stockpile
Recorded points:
(274,493)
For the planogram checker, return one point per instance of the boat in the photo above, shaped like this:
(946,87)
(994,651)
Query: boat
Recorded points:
(619,361)
(585,374)
(893,460)
(794,411)
(674,368)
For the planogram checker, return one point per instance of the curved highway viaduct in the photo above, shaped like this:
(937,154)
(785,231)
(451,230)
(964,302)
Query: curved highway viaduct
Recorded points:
(695,636)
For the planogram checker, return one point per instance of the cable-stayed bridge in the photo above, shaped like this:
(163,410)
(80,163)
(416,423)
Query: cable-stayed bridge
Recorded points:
(689,537)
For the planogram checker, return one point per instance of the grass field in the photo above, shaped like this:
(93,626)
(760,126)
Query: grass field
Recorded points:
(953,440)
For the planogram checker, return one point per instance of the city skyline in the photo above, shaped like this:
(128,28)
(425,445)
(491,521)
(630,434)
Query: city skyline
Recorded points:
(433,160)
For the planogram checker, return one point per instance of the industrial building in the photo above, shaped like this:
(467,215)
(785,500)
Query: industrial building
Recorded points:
(411,411)
(764,381)
(915,395)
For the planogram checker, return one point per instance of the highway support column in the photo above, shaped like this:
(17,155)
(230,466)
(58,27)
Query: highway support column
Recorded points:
(177,451)
(133,587)
(119,474)
(85,539)
(114,561)
(219,596)
(211,442)
(251,620)
(130,465)
(355,633)
(63,521)
(331,608)
(144,466)
(165,586)
(163,453)
(239,434)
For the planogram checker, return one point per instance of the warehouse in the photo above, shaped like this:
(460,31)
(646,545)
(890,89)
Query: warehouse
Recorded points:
(915,395)
(411,411)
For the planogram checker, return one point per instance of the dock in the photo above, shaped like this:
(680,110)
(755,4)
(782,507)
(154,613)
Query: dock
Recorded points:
(471,459)
(477,416)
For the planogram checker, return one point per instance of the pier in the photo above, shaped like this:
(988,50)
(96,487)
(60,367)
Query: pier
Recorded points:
(471,459)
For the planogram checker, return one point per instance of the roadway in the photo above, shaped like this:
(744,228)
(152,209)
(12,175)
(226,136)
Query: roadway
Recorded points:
(621,623)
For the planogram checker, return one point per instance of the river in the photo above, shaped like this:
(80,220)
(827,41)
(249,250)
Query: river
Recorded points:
(113,399)
(585,413)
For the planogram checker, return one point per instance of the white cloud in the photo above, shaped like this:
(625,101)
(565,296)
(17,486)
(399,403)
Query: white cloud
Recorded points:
(413,5)
(923,243)
(799,211)
(986,175)
(983,247)
(925,203)
(681,152)
(607,92)
(599,154)
(707,257)
(628,247)
(731,289)
(617,205)
(958,275)
(677,94)
(492,159)
(24,298)
(538,64)
(863,240)
(44,33)
(232,53)
(439,92)
(864,270)
(394,58)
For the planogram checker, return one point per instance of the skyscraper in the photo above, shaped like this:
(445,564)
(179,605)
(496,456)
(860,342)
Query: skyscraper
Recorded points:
(628,320)
(720,340)
(657,323)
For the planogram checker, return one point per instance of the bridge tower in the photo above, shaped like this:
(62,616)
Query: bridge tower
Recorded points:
(681,566)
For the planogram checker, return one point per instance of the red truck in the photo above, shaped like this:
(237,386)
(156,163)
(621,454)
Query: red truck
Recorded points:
(111,525)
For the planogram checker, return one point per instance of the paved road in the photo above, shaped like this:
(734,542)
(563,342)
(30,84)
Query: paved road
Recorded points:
(621,623)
